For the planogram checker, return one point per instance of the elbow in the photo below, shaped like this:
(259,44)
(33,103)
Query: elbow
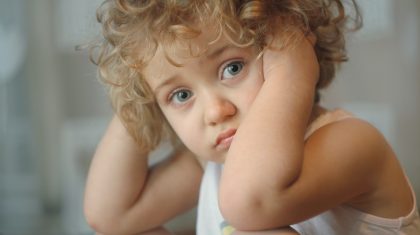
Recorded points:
(95,224)
(241,210)
(99,222)
(103,222)
(250,211)
(108,222)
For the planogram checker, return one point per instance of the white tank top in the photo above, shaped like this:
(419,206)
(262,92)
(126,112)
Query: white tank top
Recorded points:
(340,220)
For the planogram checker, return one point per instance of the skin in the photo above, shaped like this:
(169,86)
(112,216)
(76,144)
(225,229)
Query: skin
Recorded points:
(229,92)
(217,100)
(124,196)
(157,231)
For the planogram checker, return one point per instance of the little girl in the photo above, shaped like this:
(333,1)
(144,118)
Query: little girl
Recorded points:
(235,85)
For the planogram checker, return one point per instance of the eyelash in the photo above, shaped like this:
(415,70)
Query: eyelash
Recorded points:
(230,63)
(173,94)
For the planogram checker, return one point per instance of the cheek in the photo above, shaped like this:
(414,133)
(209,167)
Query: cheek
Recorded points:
(177,124)
(185,130)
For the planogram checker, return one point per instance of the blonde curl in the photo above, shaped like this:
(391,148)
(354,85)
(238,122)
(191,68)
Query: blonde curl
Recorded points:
(133,29)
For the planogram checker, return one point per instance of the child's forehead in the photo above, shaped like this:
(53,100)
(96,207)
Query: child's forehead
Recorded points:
(176,52)
(203,44)
(203,48)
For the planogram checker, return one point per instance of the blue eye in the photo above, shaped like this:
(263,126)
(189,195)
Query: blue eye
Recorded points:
(232,69)
(180,96)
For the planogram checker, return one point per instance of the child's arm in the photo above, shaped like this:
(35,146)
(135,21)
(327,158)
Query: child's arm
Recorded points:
(123,196)
(157,231)
(271,177)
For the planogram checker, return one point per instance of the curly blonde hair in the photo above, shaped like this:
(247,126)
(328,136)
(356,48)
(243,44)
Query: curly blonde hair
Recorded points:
(133,29)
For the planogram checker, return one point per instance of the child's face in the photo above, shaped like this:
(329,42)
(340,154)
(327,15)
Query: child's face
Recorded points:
(206,99)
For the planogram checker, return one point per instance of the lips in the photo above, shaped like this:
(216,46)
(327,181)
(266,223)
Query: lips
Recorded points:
(224,139)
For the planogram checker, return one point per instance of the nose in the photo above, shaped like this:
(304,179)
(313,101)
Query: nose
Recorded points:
(218,109)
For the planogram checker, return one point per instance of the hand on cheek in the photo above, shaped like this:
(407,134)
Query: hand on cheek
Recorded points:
(296,61)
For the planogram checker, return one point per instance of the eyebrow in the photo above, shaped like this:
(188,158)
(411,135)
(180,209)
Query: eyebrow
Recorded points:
(216,52)
(164,83)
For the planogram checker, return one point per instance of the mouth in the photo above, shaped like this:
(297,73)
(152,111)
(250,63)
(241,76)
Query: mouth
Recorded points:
(224,139)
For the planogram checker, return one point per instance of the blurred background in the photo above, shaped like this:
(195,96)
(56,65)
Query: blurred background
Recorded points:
(53,110)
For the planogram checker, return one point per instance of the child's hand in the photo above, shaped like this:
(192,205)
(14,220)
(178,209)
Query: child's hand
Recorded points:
(292,62)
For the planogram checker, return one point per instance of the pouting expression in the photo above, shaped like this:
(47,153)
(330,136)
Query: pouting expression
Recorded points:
(206,98)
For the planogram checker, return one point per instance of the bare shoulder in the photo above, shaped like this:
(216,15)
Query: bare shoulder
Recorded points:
(350,139)
(356,150)
(349,154)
